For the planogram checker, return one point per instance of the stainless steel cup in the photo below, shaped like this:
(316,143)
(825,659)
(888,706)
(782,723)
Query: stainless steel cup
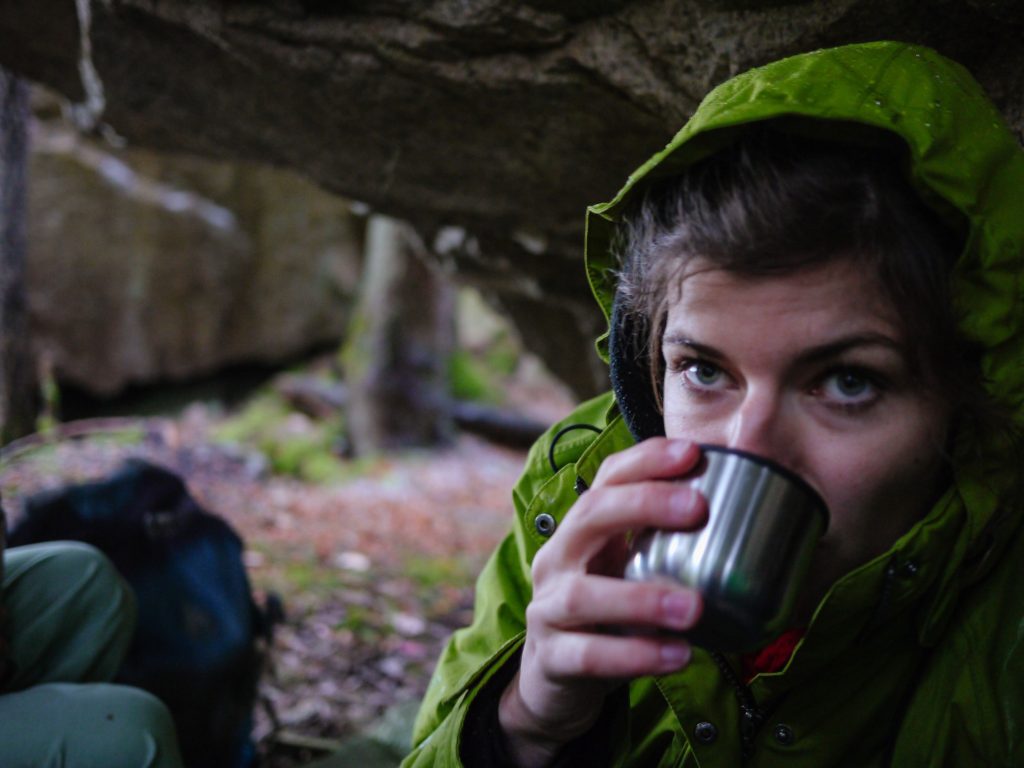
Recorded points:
(750,559)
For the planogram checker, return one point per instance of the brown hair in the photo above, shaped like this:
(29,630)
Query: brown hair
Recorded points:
(774,203)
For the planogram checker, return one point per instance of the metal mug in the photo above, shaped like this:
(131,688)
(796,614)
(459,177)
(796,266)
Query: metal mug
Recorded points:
(750,559)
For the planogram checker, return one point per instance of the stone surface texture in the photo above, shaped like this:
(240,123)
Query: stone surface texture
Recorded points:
(488,125)
(147,267)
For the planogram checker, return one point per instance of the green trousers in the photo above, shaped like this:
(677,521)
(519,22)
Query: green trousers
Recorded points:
(69,621)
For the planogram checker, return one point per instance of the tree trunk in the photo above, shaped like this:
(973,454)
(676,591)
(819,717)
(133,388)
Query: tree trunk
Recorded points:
(399,343)
(17,374)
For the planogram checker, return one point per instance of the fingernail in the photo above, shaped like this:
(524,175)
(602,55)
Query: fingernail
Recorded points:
(674,656)
(679,610)
(681,503)
(678,449)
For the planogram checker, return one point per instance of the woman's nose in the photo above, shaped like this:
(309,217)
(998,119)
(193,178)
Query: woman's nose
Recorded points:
(760,425)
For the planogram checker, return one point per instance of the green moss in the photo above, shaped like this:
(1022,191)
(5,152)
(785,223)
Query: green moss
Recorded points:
(322,468)
(255,422)
(312,576)
(480,373)
(297,574)
(361,621)
(49,395)
(502,355)
(354,356)
(45,457)
(469,379)
(431,572)
(293,444)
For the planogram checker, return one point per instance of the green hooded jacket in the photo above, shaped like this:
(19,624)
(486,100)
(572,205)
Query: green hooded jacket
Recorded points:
(916,658)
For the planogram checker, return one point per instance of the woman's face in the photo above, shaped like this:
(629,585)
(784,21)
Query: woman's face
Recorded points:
(809,370)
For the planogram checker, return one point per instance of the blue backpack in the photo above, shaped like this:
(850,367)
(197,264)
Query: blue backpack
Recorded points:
(200,635)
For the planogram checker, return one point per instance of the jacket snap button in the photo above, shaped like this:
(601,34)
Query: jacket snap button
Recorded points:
(783,734)
(705,732)
(545,524)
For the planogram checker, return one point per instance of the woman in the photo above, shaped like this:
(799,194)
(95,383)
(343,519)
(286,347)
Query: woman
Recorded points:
(823,267)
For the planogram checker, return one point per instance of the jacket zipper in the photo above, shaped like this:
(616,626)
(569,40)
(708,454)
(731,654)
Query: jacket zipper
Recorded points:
(752,717)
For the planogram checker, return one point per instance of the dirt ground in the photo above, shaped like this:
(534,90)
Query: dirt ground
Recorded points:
(374,572)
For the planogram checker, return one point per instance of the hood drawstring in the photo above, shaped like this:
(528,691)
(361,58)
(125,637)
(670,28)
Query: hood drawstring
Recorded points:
(559,435)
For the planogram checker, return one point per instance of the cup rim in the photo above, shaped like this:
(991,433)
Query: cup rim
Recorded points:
(817,501)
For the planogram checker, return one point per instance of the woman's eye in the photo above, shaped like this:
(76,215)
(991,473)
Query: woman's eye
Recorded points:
(848,388)
(703,375)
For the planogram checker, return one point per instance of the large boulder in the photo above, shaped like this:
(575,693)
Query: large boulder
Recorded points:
(487,124)
(145,267)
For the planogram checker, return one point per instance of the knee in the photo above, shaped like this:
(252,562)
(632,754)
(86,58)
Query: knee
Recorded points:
(60,565)
(70,573)
(87,725)
(74,560)
(143,732)
(74,568)
(71,615)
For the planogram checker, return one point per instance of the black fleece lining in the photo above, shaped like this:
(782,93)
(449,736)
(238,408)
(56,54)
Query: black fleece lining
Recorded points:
(631,377)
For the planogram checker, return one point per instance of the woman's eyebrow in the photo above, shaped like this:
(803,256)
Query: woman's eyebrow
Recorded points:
(814,354)
(676,340)
(844,344)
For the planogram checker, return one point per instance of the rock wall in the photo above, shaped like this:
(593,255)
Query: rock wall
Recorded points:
(489,125)
(145,267)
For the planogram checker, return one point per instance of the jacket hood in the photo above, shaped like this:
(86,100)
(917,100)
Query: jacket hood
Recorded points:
(964,161)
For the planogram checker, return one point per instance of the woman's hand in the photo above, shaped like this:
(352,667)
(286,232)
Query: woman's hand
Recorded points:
(577,649)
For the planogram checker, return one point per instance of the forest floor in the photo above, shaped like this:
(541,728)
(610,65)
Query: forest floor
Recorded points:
(375,570)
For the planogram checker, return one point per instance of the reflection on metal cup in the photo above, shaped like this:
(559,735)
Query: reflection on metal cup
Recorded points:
(750,559)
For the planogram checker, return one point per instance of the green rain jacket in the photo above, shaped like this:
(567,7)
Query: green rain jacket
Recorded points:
(913,659)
